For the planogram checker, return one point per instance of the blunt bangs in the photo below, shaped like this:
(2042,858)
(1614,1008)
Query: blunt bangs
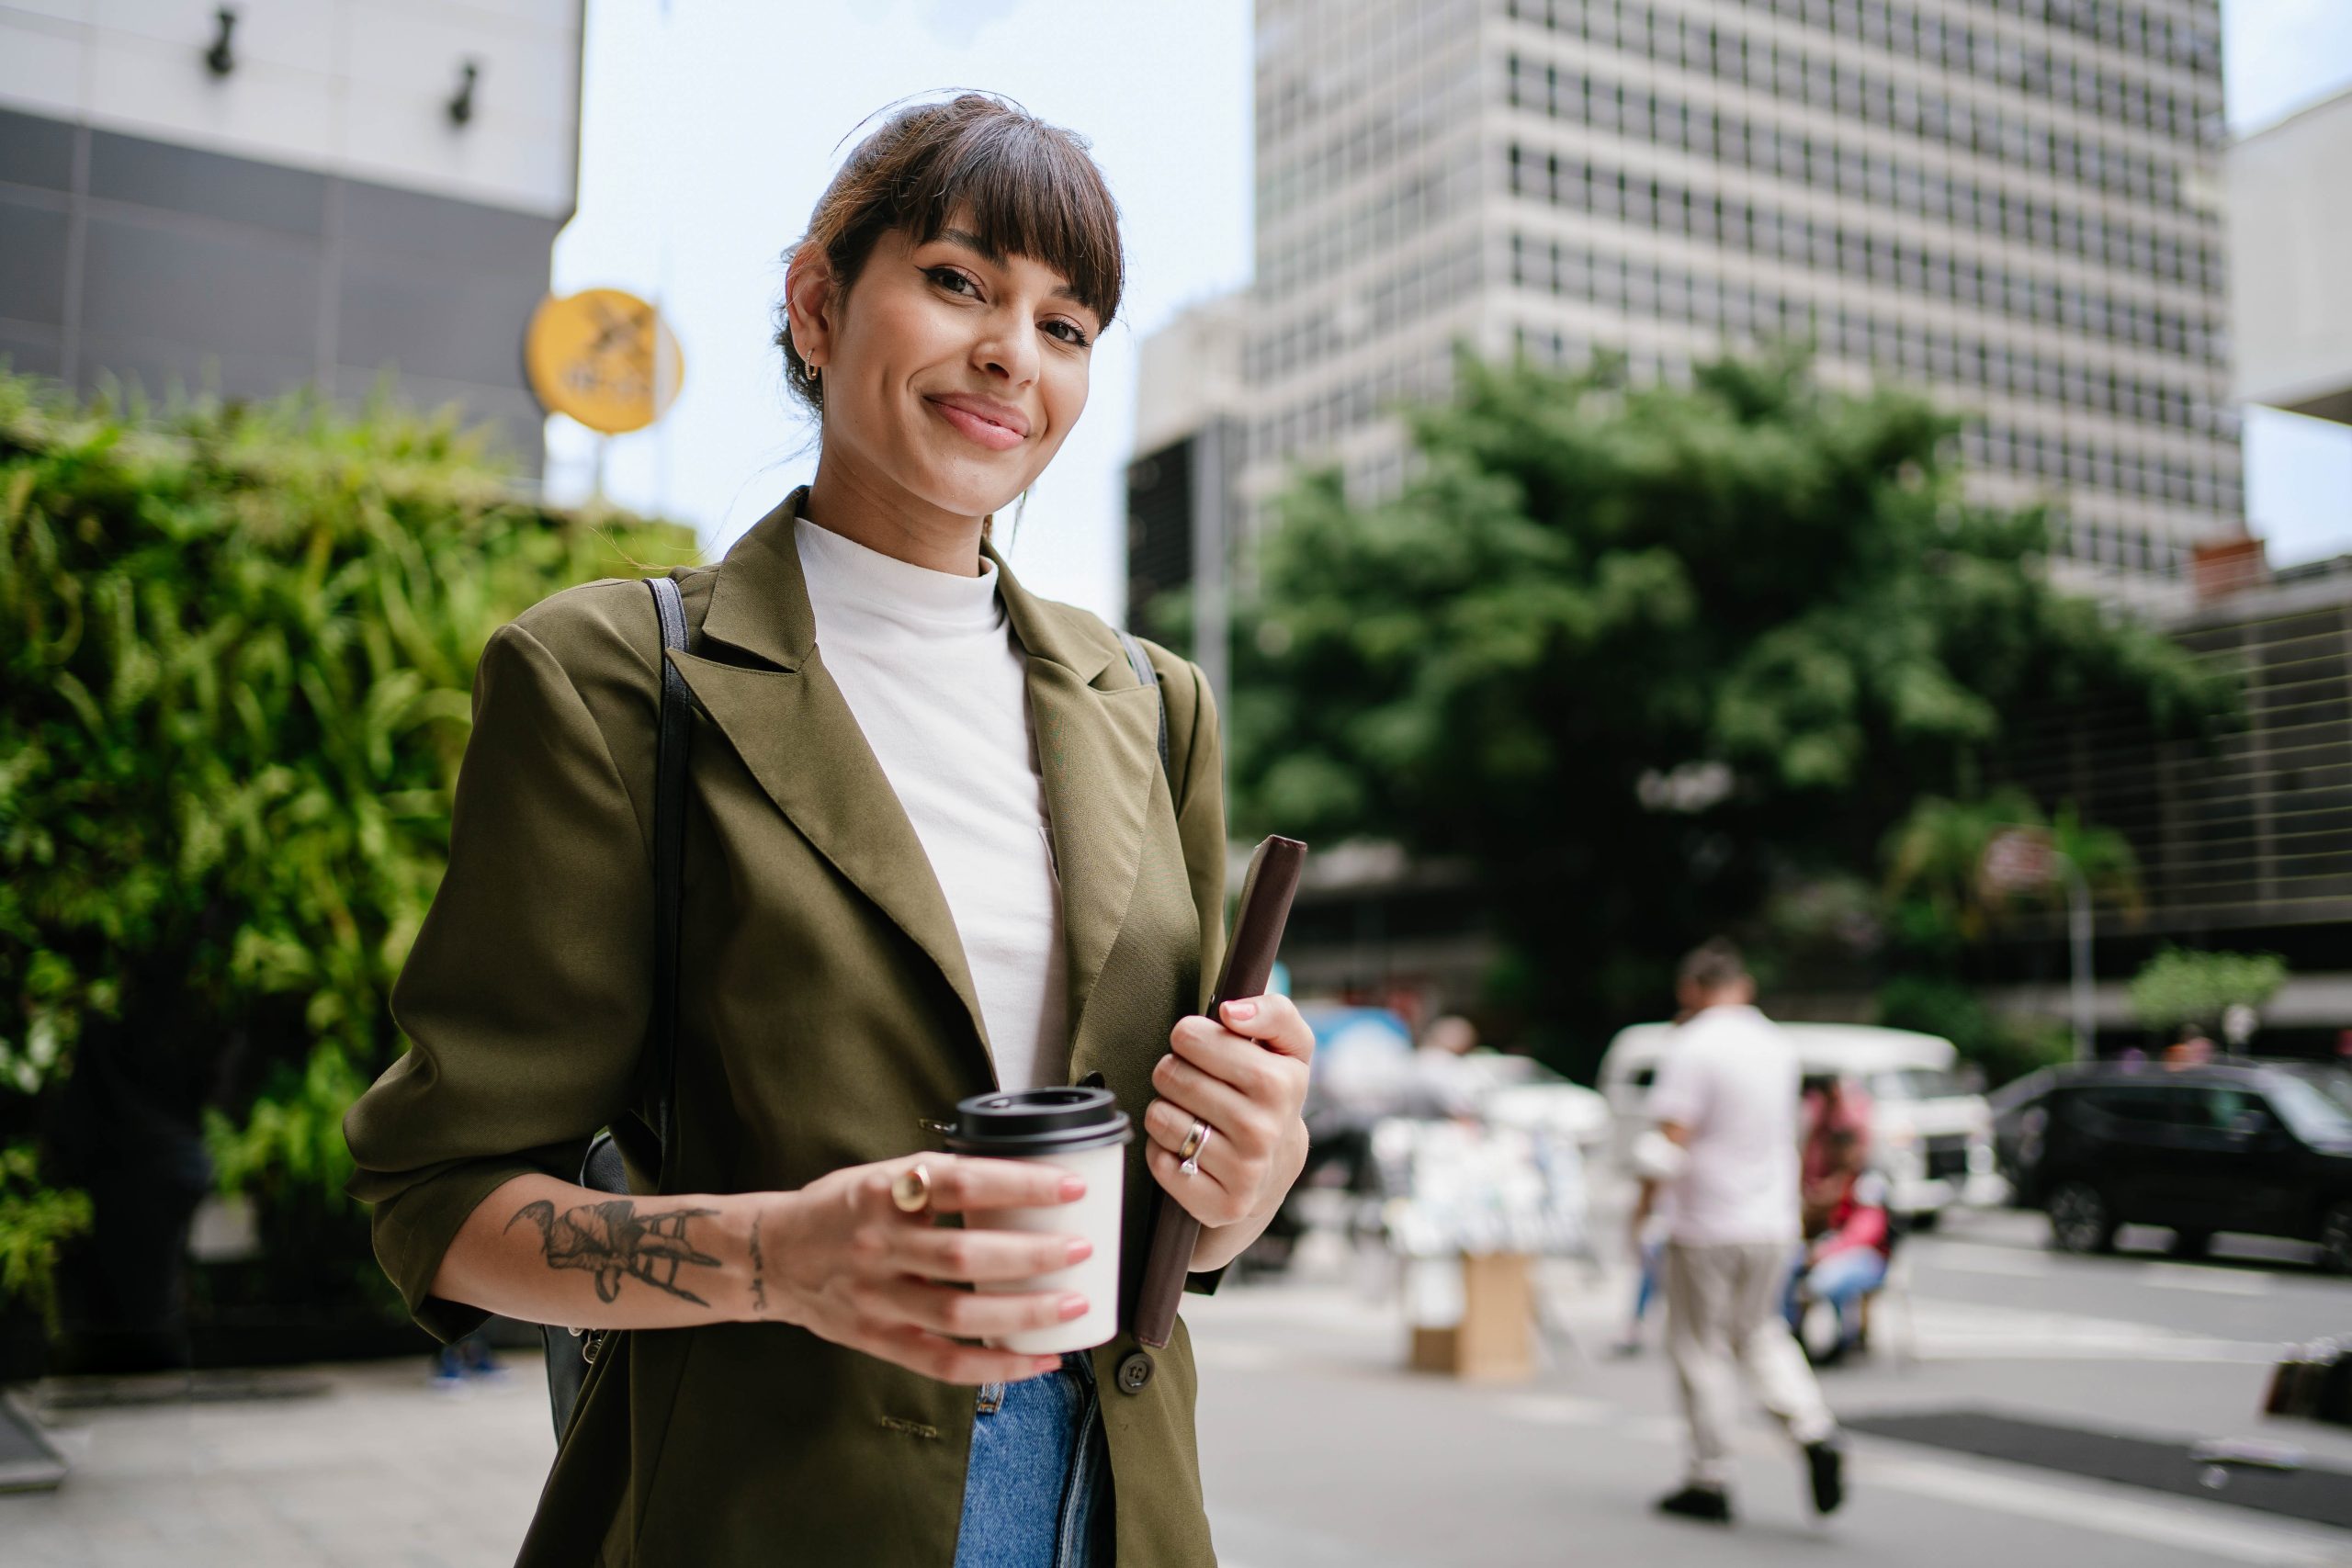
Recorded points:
(1026,188)
(1022,187)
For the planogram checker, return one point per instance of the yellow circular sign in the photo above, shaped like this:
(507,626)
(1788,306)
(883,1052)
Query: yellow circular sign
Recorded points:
(605,357)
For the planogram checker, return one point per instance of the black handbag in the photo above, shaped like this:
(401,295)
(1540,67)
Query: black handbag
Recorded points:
(572,1351)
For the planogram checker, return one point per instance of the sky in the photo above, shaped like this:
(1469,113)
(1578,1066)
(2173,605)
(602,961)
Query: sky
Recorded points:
(706,138)
(2276,57)
(710,127)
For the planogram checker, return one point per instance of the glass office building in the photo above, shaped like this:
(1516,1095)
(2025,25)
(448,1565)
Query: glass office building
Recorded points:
(2014,203)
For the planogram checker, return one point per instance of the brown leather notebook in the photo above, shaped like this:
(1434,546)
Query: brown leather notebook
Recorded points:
(1266,895)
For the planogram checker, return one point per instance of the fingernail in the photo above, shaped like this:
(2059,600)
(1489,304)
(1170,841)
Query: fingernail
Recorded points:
(1241,1012)
(1044,1364)
(1072,1189)
(1080,1250)
(1073,1306)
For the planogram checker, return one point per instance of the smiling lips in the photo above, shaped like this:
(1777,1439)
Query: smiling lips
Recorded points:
(998,426)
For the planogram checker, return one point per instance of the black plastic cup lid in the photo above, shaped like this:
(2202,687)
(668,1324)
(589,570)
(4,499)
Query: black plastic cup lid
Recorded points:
(1038,1121)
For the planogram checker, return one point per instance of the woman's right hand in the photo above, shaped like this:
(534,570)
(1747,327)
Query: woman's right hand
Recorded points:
(839,1258)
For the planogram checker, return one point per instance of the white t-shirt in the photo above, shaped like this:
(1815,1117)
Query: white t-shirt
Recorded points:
(929,665)
(1732,1078)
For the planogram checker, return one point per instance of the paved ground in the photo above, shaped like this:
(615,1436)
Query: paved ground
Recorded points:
(1320,1450)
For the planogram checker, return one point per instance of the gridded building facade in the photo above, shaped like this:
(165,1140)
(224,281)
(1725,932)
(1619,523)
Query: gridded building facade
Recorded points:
(2012,202)
(245,199)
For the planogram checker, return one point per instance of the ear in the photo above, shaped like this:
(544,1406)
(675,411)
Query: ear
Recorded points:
(809,298)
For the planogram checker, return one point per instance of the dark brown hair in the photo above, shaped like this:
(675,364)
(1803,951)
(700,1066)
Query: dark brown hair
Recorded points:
(1029,189)
(1711,965)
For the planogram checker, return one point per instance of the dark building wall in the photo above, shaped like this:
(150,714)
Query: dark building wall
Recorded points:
(2253,833)
(1160,495)
(167,265)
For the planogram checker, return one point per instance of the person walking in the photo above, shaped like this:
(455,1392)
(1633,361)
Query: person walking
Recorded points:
(1650,1223)
(943,838)
(1725,1147)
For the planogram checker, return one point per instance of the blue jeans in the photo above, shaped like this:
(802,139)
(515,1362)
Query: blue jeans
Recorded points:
(1842,1280)
(1646,1292)
(1039,1472)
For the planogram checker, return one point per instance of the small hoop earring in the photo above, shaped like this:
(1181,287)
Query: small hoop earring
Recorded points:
(808,372)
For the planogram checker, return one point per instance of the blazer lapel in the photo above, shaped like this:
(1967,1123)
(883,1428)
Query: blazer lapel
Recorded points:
(797,736)
(1098,749)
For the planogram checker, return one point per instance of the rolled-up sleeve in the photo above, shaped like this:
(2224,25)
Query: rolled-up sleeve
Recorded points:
(1681,1094)
(526,996)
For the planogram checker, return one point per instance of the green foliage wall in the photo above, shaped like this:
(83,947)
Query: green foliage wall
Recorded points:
(1639,653)
(236,649)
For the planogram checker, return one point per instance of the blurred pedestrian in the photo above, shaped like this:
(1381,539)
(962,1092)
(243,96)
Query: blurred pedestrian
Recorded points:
(1726,1148)
(1847,1247)
(467,1363)
(2193,1049)
(1836,1146)
(1652,1222)
(1445,1082)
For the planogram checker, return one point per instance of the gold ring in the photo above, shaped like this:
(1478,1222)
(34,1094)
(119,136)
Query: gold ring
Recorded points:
(910,1189)
(1188,1159)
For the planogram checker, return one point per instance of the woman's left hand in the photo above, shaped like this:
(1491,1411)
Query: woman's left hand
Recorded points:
(1244,1078)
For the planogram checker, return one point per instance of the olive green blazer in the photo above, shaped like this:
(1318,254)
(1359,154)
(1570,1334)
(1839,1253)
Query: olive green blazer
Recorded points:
(826,1016)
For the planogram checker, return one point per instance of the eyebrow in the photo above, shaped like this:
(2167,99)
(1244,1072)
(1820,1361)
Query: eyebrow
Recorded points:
(995,257)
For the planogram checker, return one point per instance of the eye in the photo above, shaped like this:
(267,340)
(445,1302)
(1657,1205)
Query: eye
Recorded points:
(1068,332)
(953,281)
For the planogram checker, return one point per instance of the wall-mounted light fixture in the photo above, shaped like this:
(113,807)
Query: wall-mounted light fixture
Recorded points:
(461,108)
(220,59)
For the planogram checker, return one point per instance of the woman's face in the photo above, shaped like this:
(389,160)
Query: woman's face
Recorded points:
(951,375)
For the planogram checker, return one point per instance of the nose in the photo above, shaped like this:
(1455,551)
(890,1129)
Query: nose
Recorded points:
(1006,346)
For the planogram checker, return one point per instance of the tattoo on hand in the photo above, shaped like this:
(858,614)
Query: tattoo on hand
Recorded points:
(613,1241)
(759,1272)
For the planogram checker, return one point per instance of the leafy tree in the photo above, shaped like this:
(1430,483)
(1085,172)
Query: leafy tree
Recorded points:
(1934,861)
(36,1222)
(236,648)
(2180,989)
(1638,653)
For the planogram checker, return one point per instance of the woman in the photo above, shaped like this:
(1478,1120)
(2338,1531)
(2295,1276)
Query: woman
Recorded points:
(931,848)
(1848,1243)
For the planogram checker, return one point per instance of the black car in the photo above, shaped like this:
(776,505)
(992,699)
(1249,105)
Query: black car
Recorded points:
(2259,1148)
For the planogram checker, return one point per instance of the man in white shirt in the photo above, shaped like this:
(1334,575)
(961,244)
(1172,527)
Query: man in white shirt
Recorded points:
(1725,1150)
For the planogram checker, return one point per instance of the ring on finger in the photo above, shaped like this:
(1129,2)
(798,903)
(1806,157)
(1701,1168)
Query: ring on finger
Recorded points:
(910,1189)
(1188,1159)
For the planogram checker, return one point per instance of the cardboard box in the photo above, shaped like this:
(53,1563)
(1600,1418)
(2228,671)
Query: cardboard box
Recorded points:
(1495,1341)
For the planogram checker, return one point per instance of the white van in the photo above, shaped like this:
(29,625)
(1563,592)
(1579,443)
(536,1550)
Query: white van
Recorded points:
(1932,1140)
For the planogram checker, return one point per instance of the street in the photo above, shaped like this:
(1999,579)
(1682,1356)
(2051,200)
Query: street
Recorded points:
(1318,1451)
(1319,1448)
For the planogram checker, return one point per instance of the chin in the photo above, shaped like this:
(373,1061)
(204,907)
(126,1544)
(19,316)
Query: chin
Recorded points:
(967,488)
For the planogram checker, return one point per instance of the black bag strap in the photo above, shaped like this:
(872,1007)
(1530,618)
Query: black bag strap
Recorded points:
(674,735)
(1146,675)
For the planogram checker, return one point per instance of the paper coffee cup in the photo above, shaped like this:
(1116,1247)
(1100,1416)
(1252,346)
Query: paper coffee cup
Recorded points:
(1082,1131)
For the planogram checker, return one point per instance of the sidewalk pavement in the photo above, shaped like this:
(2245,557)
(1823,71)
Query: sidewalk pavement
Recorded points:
(1320,1450)
(374,1470)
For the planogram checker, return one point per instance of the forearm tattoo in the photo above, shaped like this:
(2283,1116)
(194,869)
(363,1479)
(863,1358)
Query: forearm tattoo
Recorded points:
(759,1272)
(614,1242)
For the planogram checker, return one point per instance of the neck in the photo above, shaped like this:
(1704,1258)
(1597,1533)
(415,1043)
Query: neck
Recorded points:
(885,518)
